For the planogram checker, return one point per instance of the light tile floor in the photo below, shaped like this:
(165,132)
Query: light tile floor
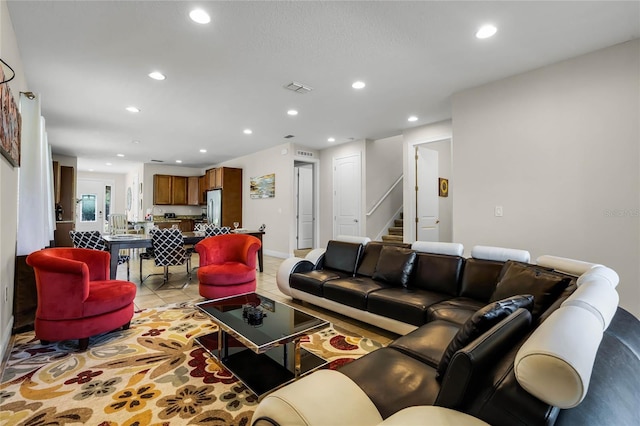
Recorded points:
(153,293)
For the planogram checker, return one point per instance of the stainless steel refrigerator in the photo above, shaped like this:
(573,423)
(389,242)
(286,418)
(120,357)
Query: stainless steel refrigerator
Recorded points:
(214,207)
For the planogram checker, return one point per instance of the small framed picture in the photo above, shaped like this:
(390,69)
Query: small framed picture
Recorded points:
(443,187)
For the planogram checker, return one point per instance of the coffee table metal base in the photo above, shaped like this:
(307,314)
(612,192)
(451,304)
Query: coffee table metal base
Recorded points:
(265,372)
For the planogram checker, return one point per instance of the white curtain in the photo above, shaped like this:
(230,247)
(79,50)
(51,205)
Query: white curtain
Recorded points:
(35,188)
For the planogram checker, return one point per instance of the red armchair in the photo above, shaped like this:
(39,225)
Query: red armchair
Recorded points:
(76,298)
(227,265)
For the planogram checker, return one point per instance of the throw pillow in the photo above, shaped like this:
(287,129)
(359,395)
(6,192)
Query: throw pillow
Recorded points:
(481,321)
(522,278)
(394,265)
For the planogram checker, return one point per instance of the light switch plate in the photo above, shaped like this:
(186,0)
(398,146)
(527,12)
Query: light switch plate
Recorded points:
(498,211)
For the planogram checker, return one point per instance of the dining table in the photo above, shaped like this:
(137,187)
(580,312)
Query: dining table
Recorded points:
(118,242)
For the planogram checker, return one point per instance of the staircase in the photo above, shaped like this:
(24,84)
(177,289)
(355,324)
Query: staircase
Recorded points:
(395,232)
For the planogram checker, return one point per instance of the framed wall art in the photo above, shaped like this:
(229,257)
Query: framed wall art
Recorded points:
(9,125)
(263,186)
(443,187)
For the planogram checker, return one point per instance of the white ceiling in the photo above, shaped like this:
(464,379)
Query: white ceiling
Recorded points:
(88,60)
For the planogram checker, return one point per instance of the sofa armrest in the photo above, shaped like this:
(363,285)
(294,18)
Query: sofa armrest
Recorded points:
(324,397)
(431,415)
(315,256)
(471,362)
(288,267)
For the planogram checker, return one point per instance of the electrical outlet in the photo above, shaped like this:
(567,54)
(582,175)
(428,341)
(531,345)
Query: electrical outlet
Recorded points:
(498,211)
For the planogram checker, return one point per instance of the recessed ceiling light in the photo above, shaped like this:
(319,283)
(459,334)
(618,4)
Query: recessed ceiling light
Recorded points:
(120,155)
(108,164)
(136,142)
(132,109)
(358,85)
(178,161)
(247,131)
(331,140)
(486,31)
(412,118)
(203,151)
(156,75)
(199,16)
(90,170)
(292,112)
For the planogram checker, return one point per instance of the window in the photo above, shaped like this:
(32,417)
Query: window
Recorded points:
(88,208)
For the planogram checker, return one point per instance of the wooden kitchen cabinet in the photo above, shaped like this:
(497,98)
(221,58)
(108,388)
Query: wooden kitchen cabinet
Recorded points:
(193,188)
(202,190)
(186,225)
(61,235)
(170,190)
(210,179)
(67,188)
(56,182)
(179,190)
(162,189)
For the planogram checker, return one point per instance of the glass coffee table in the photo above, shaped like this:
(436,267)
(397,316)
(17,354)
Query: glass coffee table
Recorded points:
(259,340)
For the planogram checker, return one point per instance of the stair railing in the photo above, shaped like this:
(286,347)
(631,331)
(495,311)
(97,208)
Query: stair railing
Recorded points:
(384,197)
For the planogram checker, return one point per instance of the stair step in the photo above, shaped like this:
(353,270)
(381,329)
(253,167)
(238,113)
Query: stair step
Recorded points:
(395,230)
(398,222)
(393,238)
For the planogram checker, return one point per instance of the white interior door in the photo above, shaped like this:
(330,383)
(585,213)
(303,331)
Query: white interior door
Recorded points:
(90,210)
(347,188)
(304,213)
(427,202)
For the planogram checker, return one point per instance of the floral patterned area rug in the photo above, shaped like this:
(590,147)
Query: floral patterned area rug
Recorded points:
(152,374)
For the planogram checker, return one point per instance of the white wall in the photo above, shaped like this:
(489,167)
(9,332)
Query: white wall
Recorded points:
(137,174)
(431,133)
(382,169)
(8,187)
(558,148)
(276,213)
(326,185)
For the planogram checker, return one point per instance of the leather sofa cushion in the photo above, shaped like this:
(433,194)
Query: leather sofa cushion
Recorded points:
(428,342)
(520,278)
(457,310)
(393,380)
(403,304)
(370,256)
(480,322)
(479,278)
(394,265)
(342,256)
(352,291)
(437,272)
(312,282)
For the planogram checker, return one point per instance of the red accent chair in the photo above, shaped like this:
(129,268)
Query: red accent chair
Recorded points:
(227,265)
(76,298)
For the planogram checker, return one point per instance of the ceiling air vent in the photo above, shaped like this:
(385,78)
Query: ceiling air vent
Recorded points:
(157,161)
(298,87)
(289,136)
(304,153)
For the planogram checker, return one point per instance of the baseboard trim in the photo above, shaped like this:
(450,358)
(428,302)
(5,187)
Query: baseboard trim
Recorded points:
(276,254)
(6,338)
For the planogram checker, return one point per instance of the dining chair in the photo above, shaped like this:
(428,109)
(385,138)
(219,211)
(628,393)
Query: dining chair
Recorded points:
(213,230)
(93,240)
(168,250)
(118,224)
